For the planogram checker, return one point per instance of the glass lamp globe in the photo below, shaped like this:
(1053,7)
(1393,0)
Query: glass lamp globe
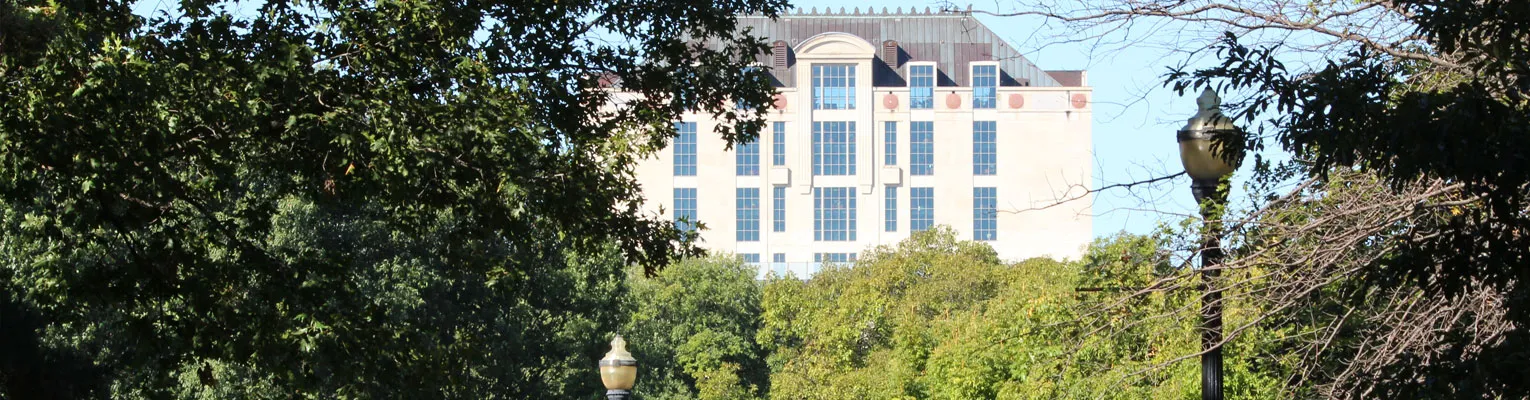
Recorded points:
(1201,161)
(618,370)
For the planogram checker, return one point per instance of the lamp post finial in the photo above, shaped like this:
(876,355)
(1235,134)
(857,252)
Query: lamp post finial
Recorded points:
(1208,100)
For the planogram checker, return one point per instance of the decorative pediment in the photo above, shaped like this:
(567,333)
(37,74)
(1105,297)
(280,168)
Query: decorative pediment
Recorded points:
(835,45)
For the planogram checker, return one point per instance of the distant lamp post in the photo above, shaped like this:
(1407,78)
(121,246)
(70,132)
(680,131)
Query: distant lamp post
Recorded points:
(1208,166)
(618,371)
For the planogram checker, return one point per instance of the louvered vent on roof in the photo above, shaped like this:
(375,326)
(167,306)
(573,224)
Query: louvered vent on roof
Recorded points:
(778,54)
(890,53)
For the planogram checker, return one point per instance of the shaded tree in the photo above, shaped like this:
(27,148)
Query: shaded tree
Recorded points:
(1391,245)
(344,198)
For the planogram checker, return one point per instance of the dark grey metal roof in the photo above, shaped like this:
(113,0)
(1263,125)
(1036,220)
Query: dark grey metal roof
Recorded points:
(951,39)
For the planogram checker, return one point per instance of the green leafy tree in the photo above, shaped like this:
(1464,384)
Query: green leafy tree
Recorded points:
(935,317)
(1391,186)
(378,314)
(339,198)
(1424,152)
(693,328)
(860,331)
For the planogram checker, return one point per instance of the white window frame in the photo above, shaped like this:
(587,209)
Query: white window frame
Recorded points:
(972,78)
(908,72)
(853,78)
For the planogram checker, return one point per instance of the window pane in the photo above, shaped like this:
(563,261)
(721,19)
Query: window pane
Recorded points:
(749,73)
(834,214)
(833,87)
(890,140)
(921,148)
(985,81)
(778,143)
(833,148)
(747,159)
(985,157)
(685,149)
(891,214)
(837,258)
(747,212)
(921,208)
(921,87)
(685,209)
(778,208)
(985,217)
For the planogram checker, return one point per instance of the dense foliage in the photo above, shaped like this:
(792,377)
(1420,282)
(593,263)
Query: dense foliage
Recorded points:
(1411,156)
(366,199)
(931,317)
(695,326)
(375,314)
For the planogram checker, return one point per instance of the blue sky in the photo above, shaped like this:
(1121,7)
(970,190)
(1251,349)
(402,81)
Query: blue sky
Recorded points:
(1134,122)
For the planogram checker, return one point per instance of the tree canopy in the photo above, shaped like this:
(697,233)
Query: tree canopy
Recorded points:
(940,318)
(339,198)
(1387,228)
(695,326)
(1428,148)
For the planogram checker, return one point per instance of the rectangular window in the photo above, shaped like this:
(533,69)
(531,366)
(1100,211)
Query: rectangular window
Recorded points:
(834,214)
(834,148)
(747,158)
(752,258)
(985,158)
(685,209)
(837,258)
(892,209)
(685,149)
(748,73)
(985,213)
(778,209)
(778,264)
(890,138)
(833,87)
(778,143)
(921,208)
(748,214)
(985,83)
(778,257)
(921,148)
(921,87)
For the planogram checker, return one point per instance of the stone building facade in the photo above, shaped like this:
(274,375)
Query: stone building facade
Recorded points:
(886,124)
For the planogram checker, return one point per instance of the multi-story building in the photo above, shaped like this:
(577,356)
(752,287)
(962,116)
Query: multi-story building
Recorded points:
(887,124)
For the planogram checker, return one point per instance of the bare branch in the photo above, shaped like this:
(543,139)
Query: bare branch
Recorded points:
(1377,25)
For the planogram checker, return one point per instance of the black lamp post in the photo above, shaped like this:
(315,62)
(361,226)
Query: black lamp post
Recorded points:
(1208,168)
(618,371)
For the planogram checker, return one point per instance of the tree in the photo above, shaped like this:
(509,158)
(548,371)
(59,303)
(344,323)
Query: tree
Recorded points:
(1393,241)
(860,331)
(341,197)
(375,314)
(936,317)
(693,328)
(1322,273)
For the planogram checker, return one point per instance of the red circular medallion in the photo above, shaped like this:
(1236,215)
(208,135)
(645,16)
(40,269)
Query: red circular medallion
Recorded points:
(890,101)
(1016,100)
(953,101)
(1080,100)
(780,102)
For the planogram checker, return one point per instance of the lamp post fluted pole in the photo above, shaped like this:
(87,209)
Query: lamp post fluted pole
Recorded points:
(1209,165)
(1211,200)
